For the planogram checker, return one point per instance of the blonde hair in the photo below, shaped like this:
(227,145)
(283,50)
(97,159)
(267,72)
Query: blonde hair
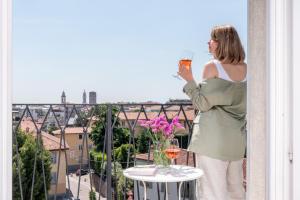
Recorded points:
(229,49)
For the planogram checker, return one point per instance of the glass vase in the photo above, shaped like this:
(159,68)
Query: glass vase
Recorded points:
(159,157)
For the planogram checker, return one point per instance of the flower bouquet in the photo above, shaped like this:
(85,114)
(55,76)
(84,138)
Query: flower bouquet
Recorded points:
(160,131)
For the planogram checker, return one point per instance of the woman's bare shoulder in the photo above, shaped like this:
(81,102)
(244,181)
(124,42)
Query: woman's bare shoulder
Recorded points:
(209,71)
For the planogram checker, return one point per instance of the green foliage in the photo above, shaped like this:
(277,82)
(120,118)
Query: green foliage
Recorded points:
(120,135)
(27,148)
(120,140)
(121,180)
(96,160)
(117,168)
(143,142)
(92,195)
(121,154)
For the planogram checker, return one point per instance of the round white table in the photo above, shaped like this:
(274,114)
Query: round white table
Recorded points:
(174,173)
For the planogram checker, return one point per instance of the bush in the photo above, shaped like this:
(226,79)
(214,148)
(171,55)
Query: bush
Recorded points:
(121,154)
(92,195)
(143,142)
(121,182)
(96,160)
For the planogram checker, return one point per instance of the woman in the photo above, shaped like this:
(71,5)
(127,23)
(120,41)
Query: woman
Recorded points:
(219,138)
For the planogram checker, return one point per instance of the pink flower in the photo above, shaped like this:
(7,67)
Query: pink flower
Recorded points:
(176,123)
(168,130)
(144,123)
(160,124)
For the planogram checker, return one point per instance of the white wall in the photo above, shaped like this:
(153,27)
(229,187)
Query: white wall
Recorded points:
(296,99)
(273,100)
(280,92)
(257,100)
(5,101)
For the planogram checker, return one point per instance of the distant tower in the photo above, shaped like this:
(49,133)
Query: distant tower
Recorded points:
(92,97)
(84,97)
(63,98)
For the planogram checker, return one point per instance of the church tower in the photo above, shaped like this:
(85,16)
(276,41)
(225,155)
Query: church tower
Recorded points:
(84,97)
(63,98)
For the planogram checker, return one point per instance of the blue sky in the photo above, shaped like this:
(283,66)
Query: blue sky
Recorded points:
(123,50)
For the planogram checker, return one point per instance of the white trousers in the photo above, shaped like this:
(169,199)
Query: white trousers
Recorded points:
(222,180)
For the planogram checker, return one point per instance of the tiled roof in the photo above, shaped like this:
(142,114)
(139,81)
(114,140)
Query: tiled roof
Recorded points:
(50,142)
(72,130)
(28,126)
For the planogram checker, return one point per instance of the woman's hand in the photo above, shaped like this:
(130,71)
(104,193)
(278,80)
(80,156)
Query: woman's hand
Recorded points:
(185,72)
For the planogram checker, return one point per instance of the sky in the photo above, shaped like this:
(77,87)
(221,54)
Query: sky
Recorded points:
(126,51)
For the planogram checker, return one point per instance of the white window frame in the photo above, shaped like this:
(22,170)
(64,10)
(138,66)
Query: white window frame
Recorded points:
(296,99)
(282,81)
(5,100)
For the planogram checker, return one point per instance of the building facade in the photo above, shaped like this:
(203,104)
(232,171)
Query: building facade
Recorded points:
(92,97)
(84,97)
(58,163)
(74,137)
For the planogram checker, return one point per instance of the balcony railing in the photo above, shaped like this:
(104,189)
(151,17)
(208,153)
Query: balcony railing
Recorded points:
(69,133)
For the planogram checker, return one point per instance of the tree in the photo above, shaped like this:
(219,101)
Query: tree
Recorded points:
(120,135)
(143,142)
(27,147)
(120,144)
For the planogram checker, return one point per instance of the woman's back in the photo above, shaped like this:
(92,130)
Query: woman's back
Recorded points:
(235,73)
(219,126)
(229,72)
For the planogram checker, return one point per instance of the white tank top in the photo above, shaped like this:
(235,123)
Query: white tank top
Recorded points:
(222,73)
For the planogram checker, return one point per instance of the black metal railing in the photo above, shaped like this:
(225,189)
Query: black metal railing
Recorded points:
(40,120)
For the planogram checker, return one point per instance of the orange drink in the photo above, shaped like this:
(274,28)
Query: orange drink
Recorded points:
(172,153)
(186,63)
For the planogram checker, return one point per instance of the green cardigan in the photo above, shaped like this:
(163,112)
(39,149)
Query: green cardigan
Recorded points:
(220,126)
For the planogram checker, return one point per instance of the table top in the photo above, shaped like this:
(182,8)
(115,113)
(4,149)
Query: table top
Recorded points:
(174,173)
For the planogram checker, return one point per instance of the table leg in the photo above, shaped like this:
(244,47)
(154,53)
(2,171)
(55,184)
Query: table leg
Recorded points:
(145,190)
(179,190)
(167,191)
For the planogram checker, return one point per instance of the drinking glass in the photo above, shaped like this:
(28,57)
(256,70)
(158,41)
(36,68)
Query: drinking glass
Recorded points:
(185,61)
(173,150)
